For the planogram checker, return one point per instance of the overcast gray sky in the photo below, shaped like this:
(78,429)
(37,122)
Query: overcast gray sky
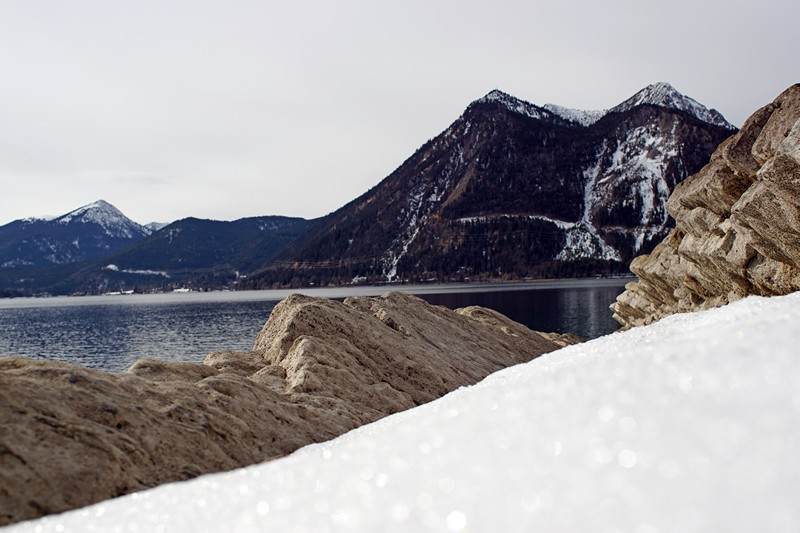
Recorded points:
(226,109)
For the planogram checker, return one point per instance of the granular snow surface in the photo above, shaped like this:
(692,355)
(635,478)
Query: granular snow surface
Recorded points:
(690,424)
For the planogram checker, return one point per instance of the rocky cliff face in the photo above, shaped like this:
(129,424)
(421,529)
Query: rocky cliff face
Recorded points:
(737,224)
(70,436)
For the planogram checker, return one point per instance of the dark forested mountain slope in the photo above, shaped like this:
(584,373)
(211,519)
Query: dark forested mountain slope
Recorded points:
(512,189)
(193,252)
(194,244)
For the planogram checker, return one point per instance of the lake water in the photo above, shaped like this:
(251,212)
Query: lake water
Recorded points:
(112,332)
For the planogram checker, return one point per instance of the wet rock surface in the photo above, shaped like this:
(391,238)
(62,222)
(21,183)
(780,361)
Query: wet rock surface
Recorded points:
(71,436)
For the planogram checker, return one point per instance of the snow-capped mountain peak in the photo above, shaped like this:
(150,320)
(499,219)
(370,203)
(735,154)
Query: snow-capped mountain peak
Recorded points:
(514,104)
(660,94)
(105,215)
(665,95)
(90,231)
(95,211)
(500,96)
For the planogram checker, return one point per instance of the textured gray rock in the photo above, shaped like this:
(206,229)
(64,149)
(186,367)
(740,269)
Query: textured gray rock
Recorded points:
(71,436)
(737,224)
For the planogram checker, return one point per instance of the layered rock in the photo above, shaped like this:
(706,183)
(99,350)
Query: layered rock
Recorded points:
(737,224)
(70,436)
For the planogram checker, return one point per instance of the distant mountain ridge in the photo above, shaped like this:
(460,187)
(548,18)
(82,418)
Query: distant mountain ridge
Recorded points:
(90,231)
(53,255)
(512,190)
(660,94)
(509,190)
(194,248)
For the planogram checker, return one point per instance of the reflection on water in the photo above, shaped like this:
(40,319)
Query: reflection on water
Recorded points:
(112,333)
(583,311)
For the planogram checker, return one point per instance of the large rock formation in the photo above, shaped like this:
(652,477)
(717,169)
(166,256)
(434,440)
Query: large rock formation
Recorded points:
(737,224)
(71,436)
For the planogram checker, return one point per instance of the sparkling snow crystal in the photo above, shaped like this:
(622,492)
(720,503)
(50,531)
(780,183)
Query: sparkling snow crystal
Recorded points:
(690,424)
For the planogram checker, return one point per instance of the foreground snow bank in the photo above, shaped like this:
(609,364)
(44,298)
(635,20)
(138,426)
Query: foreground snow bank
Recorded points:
(690,424)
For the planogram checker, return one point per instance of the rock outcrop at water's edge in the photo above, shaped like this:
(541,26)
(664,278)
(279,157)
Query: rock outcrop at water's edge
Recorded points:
(71,436)
(737,224)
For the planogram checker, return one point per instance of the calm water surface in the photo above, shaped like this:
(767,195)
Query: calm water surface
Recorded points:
(112,332)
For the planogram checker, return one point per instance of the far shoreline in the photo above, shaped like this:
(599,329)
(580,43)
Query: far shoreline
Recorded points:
(323,292)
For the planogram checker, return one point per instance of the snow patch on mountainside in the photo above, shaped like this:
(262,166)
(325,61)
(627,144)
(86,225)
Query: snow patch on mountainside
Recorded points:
(637,166)
(640,159)
(583,240)
(579,116)
(421,201)
(16,263)
(114,268)
(633,169)
(490,218)
(155,226)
